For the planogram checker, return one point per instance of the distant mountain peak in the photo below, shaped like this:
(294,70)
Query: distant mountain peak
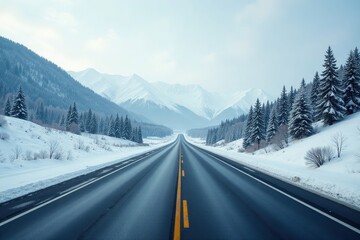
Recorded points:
(197,105)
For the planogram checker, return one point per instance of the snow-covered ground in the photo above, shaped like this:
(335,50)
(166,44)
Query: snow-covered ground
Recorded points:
(25,165)
(339,178)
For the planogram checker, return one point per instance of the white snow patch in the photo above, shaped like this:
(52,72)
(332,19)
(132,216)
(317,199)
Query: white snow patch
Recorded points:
(339,178)
(20,174)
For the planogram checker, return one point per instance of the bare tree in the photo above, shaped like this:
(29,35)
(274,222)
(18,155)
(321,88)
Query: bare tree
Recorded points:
(53,148)
(338,141)
(316,157)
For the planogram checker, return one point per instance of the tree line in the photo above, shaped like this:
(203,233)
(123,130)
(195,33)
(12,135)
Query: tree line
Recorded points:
(328,98)
(74,122)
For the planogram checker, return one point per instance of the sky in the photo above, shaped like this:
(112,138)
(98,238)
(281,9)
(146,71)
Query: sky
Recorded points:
(223,45)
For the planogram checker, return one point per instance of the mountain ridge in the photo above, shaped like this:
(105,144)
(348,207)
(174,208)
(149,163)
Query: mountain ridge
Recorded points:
(191,105)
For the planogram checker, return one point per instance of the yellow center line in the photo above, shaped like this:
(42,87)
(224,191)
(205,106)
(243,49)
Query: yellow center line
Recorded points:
(185,214)
(178,203)
(183,173)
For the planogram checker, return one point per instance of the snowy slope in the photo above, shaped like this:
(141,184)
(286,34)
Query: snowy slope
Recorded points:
(120,89)
(339,178)
(241,101)
(193,97)
(192,105)
(20,173)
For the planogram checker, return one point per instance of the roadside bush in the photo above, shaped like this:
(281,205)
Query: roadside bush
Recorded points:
(29,156)
(316,157)
(41,155)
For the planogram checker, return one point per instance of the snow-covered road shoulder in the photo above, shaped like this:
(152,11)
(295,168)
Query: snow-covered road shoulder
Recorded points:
(25,165)
(339,178)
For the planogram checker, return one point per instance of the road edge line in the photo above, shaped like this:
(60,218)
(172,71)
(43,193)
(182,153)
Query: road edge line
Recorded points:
(295,199)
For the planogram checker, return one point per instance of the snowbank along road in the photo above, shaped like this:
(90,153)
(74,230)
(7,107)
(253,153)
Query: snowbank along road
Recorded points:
(179,192)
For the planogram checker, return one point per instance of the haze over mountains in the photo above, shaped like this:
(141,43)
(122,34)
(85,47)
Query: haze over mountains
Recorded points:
(174,105)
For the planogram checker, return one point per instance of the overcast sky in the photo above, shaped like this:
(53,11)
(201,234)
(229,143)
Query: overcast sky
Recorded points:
(222,45)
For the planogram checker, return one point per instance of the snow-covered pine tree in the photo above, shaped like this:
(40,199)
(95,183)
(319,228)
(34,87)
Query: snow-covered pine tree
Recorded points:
(94,124)
(134,135)
(301,116)
(272,125)
(101,126)
(62,122)
(68,118)
(19,109)
(87,120)
(82,122)
(291,97)
(117,126)
(303,84)
(248,128)
(267,113)
(111,127)
(7,108)
(258,128)
(74,117)
(40,111)
(140,137)
(283,112)
(351,84)
(122,128)
(330,107)
(128,128)
(315,93)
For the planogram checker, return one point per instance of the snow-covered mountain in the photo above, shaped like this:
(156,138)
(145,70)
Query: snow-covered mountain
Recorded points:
(174,105)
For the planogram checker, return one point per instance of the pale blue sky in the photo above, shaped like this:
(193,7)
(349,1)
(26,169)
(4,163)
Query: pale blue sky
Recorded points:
(223,45)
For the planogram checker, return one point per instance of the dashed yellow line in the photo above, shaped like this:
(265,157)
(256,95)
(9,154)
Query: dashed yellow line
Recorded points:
(178,203)
(185,214)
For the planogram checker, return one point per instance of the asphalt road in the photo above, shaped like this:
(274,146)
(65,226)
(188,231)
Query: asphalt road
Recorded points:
(177,192)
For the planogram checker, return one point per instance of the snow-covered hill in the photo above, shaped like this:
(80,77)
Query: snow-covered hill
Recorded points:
(25,164)
(175,105)
(339,178)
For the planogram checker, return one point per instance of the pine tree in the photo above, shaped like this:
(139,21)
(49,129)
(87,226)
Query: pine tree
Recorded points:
(248,129)
(122,128)
(19,109)
(301,117)
(74,117)
(88,119)
(68,118)
(134,135)
(315,93)
(303,84)
(93,125)
(291,97)
(266,113)
(40,112)
(351,85)
(283,111)
(258,128)
(272,125)
(62,121)
(112,127)
(7,108)
(82,122)
(128,128)
(140,137)
(330,107)
(117,126)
